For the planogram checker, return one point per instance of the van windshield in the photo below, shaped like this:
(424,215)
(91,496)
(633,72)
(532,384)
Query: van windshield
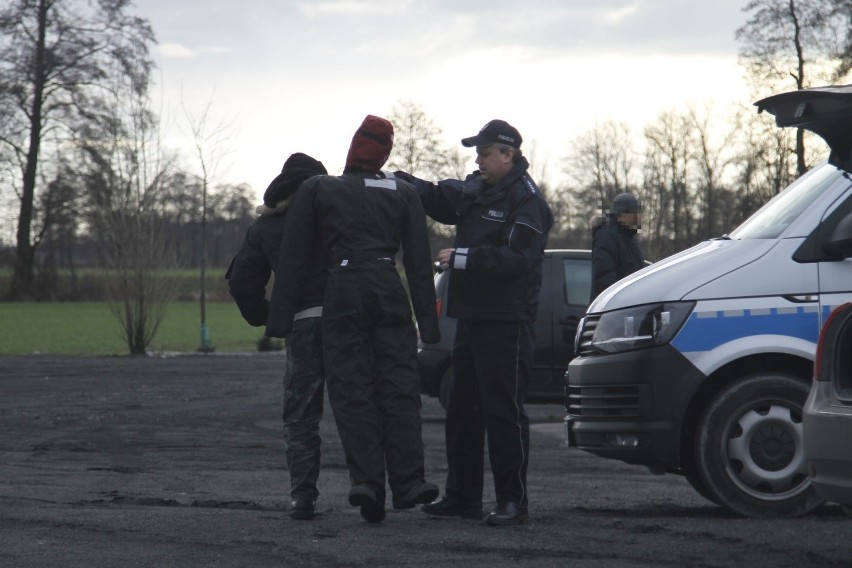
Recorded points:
(771,219)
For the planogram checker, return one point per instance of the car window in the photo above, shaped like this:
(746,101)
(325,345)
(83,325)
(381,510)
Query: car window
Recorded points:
(578,281)
(771,220)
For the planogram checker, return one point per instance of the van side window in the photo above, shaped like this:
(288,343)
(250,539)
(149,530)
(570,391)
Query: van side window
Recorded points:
(578,281)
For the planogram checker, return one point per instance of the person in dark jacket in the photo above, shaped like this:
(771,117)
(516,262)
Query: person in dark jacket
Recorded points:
(248,276)
(502,222)
(369,339)
(615,252)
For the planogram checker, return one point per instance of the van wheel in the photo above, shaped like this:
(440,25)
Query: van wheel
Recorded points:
(749,453)
(444,389)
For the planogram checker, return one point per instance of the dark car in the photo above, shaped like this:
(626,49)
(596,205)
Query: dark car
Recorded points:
(827,418)
(565,289)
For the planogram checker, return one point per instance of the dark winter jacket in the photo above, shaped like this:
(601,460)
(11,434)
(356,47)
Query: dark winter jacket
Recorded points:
(615,254)
(254,263)
(501,233)
(252,266)
(358,217)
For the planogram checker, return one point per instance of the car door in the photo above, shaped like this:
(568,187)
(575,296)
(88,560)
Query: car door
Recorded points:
(568,287)
(543,354)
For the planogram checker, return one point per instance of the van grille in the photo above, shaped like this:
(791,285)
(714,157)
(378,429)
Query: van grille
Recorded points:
(604,401)
(584,347)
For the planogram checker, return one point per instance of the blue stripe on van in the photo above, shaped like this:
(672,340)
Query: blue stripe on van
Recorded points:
(704,331)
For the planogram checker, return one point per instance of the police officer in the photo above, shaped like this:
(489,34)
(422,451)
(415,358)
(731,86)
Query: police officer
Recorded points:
(502,221)
(248,276)
(615,250)
(369,340)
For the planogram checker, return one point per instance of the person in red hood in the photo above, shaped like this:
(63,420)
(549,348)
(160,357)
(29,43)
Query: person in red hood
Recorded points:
(362,219)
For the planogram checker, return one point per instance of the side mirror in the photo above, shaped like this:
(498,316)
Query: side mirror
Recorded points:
(839,245)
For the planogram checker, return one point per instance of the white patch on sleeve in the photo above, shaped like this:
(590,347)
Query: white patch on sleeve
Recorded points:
(460,259)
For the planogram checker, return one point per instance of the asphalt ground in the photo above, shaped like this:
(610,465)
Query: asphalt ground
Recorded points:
(178,461)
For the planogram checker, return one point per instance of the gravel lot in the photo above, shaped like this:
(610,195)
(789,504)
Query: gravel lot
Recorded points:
(178,461)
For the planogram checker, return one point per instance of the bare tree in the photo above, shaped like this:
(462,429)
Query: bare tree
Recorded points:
(711,158)
(763,161)
(669,209)
(802,40)
(125,171)
(602,163)
(53,54)
(419,150)
(418,147)
(599,166)
(210,141)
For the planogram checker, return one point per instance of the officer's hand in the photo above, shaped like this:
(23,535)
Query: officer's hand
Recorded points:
(444,258)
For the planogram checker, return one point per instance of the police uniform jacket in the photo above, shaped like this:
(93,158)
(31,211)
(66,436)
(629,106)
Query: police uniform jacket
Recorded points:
(358,217)
(501,233)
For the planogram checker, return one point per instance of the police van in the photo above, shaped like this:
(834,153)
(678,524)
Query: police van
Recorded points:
(700,364)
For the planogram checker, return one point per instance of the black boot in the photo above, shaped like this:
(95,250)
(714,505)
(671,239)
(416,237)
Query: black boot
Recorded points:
(448,506)
(302,508)
(508,513)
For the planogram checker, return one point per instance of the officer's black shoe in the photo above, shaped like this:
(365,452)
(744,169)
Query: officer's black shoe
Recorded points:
(418,495)
(448,506)
(508,513)
(302,508)
(372,509)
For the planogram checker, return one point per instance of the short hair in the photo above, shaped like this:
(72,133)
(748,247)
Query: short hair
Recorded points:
(516,157)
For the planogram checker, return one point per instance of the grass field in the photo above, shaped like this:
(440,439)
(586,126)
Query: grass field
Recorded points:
(89,328)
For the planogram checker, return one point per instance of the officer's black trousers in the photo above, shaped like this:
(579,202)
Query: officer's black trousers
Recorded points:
(491,366)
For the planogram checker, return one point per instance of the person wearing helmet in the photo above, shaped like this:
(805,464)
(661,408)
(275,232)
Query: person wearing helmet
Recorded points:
(615,250)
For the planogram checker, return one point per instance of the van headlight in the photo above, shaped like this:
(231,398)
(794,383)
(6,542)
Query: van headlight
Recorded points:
(639,327)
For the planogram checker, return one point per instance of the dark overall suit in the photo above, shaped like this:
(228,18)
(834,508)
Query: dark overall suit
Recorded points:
(369,338)
(495,277)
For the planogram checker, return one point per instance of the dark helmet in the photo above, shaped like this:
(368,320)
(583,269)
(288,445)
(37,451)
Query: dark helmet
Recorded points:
(625,203)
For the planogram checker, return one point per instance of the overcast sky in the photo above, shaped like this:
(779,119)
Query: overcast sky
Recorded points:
(300,75)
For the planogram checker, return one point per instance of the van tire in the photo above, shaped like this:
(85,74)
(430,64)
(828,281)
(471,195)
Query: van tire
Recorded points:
(748,450)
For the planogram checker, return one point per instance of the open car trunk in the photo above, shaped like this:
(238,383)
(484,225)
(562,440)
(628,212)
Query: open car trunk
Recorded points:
(826,111)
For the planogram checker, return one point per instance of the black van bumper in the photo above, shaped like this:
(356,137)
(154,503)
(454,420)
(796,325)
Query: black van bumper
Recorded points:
(630,406)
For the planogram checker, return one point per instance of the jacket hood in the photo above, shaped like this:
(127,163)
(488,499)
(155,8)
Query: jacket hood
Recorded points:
(297,168)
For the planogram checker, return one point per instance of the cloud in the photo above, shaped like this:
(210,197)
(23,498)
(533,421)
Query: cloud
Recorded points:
(356,7)
(174,51)
(618,15)
(180,51)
